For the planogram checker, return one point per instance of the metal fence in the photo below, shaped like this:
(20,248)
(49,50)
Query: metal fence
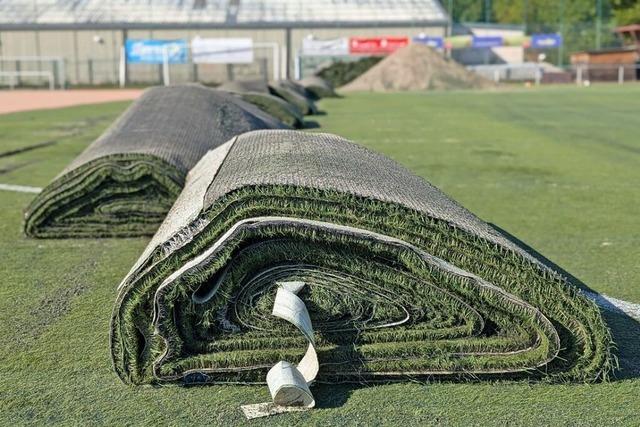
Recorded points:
(19,71)
(581,74)
(58,72)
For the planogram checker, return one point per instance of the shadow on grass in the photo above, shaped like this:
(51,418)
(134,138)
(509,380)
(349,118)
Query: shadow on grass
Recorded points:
(625,330)
(333,396)
(626,335)
(27,148)
(15,167)
(310,124)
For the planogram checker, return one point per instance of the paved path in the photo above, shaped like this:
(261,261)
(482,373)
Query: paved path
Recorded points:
(12,101)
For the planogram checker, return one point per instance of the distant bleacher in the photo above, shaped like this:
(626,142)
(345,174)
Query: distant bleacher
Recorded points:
(247,12)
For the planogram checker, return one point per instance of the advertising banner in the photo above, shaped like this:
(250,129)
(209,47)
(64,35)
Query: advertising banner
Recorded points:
(546,41)
(486,41)
(151,51)
(376,45)
(334,47)
(431,41)
(222,50)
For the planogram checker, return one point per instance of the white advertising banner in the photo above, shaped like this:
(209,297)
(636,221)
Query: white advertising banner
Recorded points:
(222,51)
(334,47)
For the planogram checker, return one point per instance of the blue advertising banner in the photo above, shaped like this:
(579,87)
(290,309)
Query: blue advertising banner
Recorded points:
(546,41)
(487,41)
(432,41)
(152,51)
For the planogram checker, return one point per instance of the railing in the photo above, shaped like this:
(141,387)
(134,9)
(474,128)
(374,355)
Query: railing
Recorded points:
(15,76)
(543,73)
(57,72)
(28,71)
(18,67)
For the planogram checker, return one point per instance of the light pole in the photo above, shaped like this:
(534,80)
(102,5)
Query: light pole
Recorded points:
(450,29)
(561,47)
(487,10)
(598,23)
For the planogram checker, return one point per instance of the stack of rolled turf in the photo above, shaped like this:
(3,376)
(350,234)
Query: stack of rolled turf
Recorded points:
(400,281)
(124,183)
(318,87)
(253,93)
(287,100)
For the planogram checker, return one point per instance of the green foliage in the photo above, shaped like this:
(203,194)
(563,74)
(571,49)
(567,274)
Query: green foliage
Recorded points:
(626,11)
(548,15)
(342,72)
(538,15)
(466,10)
(544,15)
(574,19)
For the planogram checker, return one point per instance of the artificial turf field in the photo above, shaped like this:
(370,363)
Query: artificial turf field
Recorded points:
(557,167)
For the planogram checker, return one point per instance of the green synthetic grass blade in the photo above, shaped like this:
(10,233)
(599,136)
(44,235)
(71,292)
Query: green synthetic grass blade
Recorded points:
(124,183)
(403,282)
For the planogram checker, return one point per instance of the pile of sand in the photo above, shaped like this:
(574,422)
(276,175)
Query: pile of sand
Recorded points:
(417,67)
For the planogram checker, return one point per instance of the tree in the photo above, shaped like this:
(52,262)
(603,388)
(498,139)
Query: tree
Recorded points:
(626,11)
(545,15)
(466,10)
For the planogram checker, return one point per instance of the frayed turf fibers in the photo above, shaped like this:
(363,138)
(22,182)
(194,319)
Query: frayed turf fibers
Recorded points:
(124,183)
(403,283)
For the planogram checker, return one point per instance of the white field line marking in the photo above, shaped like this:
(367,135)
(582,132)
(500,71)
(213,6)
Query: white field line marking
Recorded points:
(20,188)
(613,304)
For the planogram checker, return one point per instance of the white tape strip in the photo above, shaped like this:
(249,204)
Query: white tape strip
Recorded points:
(289,384)
(20,188)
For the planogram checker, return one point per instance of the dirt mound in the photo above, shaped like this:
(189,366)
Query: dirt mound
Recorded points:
(417,67)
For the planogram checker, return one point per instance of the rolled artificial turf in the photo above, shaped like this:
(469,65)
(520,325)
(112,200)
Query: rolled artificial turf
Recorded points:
(287,113)
(260,86)
(402,283)
(294,94)
(318,87)
(126,181)
(286,90)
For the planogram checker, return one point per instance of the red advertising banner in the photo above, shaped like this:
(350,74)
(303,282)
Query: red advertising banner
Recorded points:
(376,45)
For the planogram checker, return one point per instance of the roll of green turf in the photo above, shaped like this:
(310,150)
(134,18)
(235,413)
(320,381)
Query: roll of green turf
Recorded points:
(287,90)
(259,85)
(287,113)
(294,94)
(401,281)
(318,87)
(126,181)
